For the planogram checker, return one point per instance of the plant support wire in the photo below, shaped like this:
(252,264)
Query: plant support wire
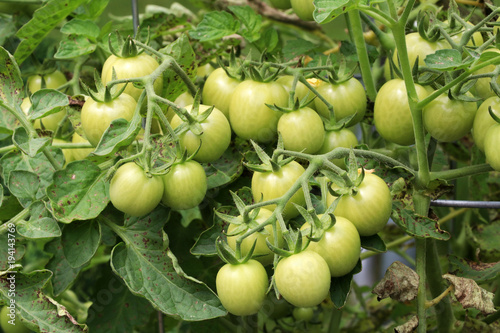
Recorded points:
(466,204)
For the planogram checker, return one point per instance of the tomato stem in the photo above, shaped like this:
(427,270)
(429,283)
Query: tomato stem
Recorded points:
(15,220)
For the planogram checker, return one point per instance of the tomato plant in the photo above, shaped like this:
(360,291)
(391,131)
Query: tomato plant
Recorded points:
(344,138)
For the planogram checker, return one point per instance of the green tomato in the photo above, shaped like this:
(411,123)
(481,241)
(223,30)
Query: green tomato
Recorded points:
(249,115)
(80,153)
(476,40)
(301,90)
(340,246)
(218,90)
(182,100)
(281,4)
(261,252)
(347,98)
(68,153)
(302,130)
(368,207)
(304,9)
(185,185)
(96,116)
(482,86)
(271,185)
(132,67)
(492,146)
(133,192)
(52,81)
(242,288)
(303,279)
(10,322)
(448,120)
(483,120)
(392,115)
(214,140)
(303,314)
(343,138)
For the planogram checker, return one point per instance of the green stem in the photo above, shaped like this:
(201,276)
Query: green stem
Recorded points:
(7,149)
(334,321)
(15,220)
(356,29)
(461,172)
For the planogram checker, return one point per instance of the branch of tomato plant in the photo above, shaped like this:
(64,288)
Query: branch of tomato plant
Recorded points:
(15,220)
(465,171)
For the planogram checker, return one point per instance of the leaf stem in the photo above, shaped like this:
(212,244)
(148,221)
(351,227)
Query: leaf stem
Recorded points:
(15,220)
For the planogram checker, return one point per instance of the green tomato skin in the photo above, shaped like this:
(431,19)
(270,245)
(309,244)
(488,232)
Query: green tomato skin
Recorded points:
(492,146)
(369,209)
(483,120)
(80,153)
(303,314)
(448,120)
(392,115)
(132,192)
(218,90)
(482,86)
(301,90)
(214,140)
(304,9)
(340,246)
(249,115)
(303,279)
(281,4)
(242,288)
(96,116)
(185,186)
(128,68)
(272,185)
(343,138)
(52,81)
(261,252)
(347,98)
(302,130)
(5,322)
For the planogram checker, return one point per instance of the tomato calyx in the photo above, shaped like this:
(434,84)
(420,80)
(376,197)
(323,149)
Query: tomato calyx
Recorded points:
(235,68)
(103,93)
(193,118)
(317,224)
(127,47)
(426,20)
(231,257)
(269,164)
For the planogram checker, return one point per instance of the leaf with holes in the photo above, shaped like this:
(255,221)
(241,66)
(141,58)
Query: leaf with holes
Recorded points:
(417,225)
(470,295)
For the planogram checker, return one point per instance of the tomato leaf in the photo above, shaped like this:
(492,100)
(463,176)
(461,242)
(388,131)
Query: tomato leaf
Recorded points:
(410,326)
(373,243)
(447,60)
(470,295)
(80,241)
(6,252)
(151,271)
(38,311)
(85,28)
(64,274)
(400,283)
(341,287)
(47,101)
(120,133)
(227,168)
(252,22)
(29,145)
(24,184)
(480,272)
(41,223)
(11,83)
(74,46)
(79,192)
(484,238)
(214,26)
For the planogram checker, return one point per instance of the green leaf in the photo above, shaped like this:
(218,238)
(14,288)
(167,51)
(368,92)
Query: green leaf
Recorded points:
(484,238)
(24,184)
(488,55)
(327,10)
(80,241)
(10,250)
(38,311)
(75,46)
(152,271)
(296,48)
(44,20)
(252,22)
(417,225)
(214,26)
(160,24)
(446,60)
(28,145)
(85,28)
(41,223)
(120,133)
(11,83)
(373,243)
(7,29)
(227,168)
(481,272)
(45,102)
(64,274)
(341,286)
(79,192)
(94,9)
(10,208)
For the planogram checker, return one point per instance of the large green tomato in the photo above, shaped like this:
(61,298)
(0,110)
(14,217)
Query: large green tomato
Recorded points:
(80,153)
(482,86)
(261,252)
(483,120)
(303,279)
(185,185)
(214,140)
(96,116)
(218,90)
(368,207)
(133,192)
(347,98)
(492,146)
(249,115)
(302,130)
(271,185)
(52,81)
(392,115)
(343,138)
(242,288)
(182,100)
(10,322)
(448,120)
(340,246)
(304,9)
(132,67)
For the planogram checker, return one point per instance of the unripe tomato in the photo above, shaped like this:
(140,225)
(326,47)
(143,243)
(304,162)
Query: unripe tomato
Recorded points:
(347,98)
(96,116)
(303,279)
(482,86)
(218,90)
(483,120)
(272,185)
(68,153)
(303,314)
(369,207)
(80,153)
(492,146)
(242,288)
(52,81)
(214,140)
(392,115)
(302,130)
(51,122)
(343,138)
(7,317)
(476,40)
(185,185)
(133,192)
(340,246)
(132,67)
(182,100)
(304,9)
(249,115)
(281,4)
(301,90)
(261,252)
